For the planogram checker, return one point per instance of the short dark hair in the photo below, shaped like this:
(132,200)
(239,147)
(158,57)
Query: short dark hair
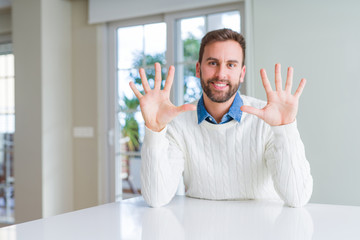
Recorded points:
(222,35)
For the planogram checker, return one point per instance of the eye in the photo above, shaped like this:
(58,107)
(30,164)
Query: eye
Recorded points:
(212,63)
(231,65)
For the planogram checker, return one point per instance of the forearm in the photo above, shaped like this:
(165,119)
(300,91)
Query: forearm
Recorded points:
(161,168)
(289,167)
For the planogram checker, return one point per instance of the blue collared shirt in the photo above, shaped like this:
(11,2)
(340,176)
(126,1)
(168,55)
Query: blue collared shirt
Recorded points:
(233,113)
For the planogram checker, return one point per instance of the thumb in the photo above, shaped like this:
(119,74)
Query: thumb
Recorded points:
(186,107)
(252,110)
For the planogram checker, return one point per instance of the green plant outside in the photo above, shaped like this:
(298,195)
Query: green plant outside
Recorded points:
(131,127)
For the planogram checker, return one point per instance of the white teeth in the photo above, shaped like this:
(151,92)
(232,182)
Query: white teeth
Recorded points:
(220,84)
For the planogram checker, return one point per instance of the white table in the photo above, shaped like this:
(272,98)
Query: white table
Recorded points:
(187,218)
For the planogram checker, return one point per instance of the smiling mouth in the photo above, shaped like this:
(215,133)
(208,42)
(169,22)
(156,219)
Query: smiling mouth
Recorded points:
(219,86)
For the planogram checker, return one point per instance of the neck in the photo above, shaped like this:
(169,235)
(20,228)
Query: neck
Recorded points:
(217,110)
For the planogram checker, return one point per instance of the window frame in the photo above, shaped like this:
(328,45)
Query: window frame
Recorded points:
(115,181)
(113,169)
(171,19)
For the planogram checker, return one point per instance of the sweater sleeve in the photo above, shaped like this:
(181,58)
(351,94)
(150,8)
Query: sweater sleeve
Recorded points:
(162,164)
(286,160)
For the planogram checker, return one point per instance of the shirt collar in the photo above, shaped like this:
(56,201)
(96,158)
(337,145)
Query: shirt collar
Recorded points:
(233,113)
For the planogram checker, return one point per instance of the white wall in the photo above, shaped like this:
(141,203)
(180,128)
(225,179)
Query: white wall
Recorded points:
(84,102)
(320,39)
(26,33)
(56,88)
(43,153)
(57,107)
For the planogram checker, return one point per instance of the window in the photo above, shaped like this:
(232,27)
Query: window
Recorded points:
(189,33)
(171,39)
(142,51)
(7,129)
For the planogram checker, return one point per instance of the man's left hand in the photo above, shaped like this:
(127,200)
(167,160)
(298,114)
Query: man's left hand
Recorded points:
(281,106)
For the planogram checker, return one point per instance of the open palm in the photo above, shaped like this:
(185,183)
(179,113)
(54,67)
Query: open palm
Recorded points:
(156,108)
(281,106)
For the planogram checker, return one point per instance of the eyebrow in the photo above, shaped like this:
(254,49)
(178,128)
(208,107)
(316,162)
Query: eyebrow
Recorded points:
(215,59)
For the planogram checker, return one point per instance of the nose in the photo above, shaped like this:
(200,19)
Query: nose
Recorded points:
(221,72)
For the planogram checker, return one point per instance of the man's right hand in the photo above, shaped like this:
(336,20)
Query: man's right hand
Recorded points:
(156,108)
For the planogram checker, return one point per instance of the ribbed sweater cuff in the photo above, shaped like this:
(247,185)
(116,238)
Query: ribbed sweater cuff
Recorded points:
(154,138)
(286,130)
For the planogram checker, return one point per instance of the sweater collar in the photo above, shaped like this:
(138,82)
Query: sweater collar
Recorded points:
(233,113)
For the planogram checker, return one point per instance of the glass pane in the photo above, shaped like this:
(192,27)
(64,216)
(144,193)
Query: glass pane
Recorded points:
(7,97)
(193,27)
(155,43)
(130,123)
(138,46)
(7,123)
(7,128)
(124,77)
(130,46)
(192,85)
(192,30)
(10,65)
(224,20)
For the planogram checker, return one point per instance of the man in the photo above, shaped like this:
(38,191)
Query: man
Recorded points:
(232,147)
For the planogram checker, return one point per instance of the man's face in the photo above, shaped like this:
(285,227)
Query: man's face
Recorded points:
(221,70)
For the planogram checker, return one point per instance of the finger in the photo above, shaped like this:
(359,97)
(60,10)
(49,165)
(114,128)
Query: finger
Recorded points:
(300,89)
(278,81)
(289,79)
(254,111)
(157,76)
(186,107)
(135,90)
(144,80)
(265,81)
(169,79)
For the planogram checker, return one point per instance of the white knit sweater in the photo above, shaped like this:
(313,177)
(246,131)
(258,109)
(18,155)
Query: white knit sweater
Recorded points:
(236,160)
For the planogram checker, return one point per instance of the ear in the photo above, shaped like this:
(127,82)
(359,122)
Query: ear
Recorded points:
(242,75)
(198,70)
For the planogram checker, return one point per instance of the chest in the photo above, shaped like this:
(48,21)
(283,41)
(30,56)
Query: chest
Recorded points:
(231,149)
